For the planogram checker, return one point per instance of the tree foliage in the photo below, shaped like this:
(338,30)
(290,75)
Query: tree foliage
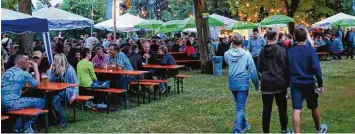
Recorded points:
(9,4)
(83,8)
(308,11)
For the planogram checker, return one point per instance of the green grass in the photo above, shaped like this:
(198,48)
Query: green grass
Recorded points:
(207,106)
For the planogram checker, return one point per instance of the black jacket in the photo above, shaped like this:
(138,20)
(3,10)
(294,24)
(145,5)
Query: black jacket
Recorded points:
(136,61)
(154,47)
(222,48)
(273,69)
(175,48)
(153,57)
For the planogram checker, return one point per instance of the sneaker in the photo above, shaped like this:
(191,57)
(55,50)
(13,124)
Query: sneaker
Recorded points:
(29,131)
(101,106)
(323,129)
(247,127)
(88,103)
(285,131)
(163,90)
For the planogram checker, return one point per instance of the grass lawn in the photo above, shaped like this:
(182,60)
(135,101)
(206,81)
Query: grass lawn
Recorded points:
(207,106)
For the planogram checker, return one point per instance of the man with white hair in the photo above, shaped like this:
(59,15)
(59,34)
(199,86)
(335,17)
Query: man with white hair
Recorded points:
(12,82)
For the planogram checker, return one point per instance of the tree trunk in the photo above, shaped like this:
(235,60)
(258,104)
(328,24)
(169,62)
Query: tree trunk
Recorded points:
(291,10)
(25,42)
(203,33)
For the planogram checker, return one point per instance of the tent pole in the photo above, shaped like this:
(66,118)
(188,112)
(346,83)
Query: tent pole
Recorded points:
(92,15)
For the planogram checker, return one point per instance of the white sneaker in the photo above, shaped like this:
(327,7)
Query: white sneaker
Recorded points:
(323,129)
(101,106)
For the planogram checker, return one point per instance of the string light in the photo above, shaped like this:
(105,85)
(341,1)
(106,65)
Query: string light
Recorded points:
(248,4)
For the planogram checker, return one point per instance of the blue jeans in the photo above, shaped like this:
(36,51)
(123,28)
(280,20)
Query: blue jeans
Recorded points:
(25,102)
(57,107)
(240,122)
(124,81)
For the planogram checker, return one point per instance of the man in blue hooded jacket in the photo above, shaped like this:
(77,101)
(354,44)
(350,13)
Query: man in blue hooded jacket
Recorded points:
(241,69)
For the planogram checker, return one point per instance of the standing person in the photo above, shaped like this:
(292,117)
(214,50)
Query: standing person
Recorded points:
(92,40)
(6,42)
(245,44)
(303,67)
(241,70)
(12,82)
(256,45)
(349,42)
(38,46)
(274,80)
(62,72)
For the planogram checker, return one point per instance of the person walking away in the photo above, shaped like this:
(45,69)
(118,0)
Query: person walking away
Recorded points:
(12,82)
(256,44)
(92,40)
(274,80)
(241,70)
(303,64)
(349,41)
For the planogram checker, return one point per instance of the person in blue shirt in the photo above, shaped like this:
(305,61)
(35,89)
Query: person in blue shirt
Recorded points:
(12,82)
(63,72)
(303,65)
(338,45)
(241,70)
(349,42)
(340,33)
(166,60)
(122,62)
(246,44)
(256,44)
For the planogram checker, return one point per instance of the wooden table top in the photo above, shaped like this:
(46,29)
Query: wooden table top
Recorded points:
(52,86)
(121,72)
(177,52)
(163,66)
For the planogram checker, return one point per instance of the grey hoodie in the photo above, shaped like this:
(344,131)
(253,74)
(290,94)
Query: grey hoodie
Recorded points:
(241,69)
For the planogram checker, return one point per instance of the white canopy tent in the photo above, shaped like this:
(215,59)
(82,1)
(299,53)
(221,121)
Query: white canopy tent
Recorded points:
(124,23)
(62,20)
(326,23)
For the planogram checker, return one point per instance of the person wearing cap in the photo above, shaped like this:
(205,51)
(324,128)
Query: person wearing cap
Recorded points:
(43,63)
(274,80)
(241,70)
(304,67)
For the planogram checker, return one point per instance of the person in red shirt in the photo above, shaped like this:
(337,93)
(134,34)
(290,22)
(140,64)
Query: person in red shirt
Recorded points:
(191,53)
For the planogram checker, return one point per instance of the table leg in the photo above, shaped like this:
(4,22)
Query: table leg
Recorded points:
(46,115)
(139,91)
(66,107)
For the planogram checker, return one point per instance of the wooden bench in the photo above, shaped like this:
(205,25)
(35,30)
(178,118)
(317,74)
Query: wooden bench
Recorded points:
(180,79)
(148,86)
(323,55)
(81,99)
(110,91)
(153,81)
(30,112)
(4,117)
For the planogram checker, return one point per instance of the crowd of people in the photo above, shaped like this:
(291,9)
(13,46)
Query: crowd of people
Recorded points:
(278,60)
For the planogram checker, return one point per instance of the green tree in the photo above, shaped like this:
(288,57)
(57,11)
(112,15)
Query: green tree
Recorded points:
(9,4)
(83,8)
(220,7)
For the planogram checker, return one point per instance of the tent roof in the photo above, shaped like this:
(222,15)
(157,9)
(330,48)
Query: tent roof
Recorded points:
(16,22)
(124,23)
(62,20)
(226,20)
(333,19)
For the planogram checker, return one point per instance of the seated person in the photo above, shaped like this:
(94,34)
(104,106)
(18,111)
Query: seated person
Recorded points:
(12,82)
(166,60)
(62,71)
(11,61)
(86,76)
(121,60)
(42,62)
(191,53)
(73,57)
(100,60)
(176,46)
(149,57)
(338,45)
(135,59)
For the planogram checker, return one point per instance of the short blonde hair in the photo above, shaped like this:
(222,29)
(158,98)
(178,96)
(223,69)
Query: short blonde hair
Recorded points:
(163,48)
